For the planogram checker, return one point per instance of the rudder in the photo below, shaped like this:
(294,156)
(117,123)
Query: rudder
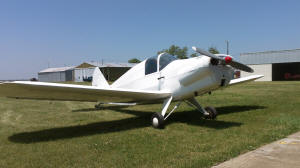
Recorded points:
(99,80)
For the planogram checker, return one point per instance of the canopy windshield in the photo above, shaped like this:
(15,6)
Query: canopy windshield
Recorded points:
(162,60)
(151,65)
(165,59)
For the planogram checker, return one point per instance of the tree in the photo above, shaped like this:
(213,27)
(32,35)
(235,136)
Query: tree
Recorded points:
(134,60)
(174,50)
(194,55)
(213,50)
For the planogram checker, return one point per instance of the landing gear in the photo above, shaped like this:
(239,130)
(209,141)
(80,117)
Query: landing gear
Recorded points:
(157,120)
(98,106)
(212,113)
(208,112)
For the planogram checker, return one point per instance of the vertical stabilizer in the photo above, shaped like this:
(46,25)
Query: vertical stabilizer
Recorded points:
(99,80)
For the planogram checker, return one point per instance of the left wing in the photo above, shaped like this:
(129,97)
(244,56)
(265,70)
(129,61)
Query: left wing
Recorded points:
(71,92)
(245,79)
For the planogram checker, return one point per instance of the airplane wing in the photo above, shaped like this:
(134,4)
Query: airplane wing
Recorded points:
(71,92)
(245,79)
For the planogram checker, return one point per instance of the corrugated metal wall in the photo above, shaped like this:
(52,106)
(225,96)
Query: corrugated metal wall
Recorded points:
(270,57)
(80,73)
(52,77)
(114,73)
(110,73)
(69,75)
(264,69)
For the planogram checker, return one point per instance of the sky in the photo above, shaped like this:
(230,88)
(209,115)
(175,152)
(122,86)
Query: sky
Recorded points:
(35,34)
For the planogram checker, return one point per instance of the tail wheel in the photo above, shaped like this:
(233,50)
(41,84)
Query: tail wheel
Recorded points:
(157,120)
(212,112)
(97,106)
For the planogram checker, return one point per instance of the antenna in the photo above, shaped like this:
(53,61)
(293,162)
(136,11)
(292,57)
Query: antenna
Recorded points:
(227,47)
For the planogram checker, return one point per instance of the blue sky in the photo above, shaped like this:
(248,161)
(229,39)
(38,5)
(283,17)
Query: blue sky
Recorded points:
(34,33)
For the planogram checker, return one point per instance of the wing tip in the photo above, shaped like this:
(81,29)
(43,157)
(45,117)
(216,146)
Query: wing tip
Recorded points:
(260,76)
(245,79)
(194,48)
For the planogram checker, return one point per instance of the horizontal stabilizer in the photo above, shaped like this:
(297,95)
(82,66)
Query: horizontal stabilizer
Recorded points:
(245,79)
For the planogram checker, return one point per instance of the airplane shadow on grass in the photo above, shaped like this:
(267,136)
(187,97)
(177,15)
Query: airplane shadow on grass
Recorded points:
(117,108)
(141,120)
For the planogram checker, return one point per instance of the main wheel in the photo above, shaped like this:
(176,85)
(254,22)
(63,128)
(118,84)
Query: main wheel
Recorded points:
(157,120)
(98,106)
(212,112)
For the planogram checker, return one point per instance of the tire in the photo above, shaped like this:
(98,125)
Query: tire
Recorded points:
(212,112)
(157,121)
(97,106)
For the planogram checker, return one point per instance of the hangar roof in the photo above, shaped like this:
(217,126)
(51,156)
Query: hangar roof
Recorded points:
(269,57)
(87,65)
(60,69)
(100,64)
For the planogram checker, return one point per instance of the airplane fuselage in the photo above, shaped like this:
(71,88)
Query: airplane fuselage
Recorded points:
(183,78)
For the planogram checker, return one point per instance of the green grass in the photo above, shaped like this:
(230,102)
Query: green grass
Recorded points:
(74,134)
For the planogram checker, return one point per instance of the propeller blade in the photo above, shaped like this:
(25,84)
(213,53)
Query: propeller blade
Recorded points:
(241,66)
(203,52)
(234,64)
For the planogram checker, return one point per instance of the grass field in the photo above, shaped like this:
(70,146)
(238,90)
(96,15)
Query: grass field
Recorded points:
(74,134)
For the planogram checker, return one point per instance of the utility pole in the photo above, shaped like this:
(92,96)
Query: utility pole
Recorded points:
(227,46)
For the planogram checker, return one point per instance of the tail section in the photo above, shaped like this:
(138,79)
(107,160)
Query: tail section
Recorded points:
(99,80)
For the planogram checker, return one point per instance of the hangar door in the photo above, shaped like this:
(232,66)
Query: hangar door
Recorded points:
(286,71)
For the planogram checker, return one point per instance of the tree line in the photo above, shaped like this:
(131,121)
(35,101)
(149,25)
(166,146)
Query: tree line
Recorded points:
(179,52)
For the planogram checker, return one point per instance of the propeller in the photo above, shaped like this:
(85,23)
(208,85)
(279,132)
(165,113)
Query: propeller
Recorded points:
(227,60)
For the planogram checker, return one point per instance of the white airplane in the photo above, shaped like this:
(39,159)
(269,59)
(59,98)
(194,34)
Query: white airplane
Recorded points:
(157,79)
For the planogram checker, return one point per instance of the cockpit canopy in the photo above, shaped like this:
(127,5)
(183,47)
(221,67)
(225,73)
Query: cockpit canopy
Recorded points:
(151,65)
(161,61)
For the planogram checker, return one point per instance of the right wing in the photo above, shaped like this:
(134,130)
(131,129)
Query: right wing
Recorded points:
(245,79)
(70,92)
